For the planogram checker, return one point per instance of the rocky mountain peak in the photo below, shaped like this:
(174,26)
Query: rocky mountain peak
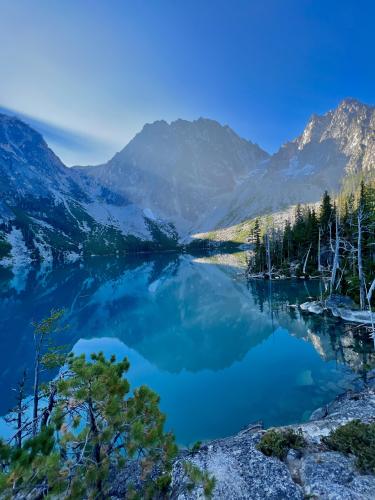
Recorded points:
(332,146)
(181,169)
(349,127)
(19,143)
(351,104)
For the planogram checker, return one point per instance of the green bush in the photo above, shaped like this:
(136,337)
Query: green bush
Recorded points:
(197,477)
(277,443)
(355,438)
(196,446)
(95,424)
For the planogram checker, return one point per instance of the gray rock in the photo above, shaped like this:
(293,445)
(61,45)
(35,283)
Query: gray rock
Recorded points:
(314,306)
(343,409)
(241,471)
(341,307)
(319,413)
(333,476)
(293,461)
(354,316)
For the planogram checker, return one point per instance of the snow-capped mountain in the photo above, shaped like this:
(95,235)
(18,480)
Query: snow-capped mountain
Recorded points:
(182,171)
(50,211)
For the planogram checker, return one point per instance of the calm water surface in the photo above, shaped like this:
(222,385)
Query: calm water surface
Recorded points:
(220,352)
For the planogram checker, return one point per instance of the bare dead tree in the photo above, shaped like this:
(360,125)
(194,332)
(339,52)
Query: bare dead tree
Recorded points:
(361,277)
(371,291)
(306,259)
(336,254)
(268,252)
(319,259)
(16,415)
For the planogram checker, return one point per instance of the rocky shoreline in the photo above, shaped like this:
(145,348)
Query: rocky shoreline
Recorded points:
(340,307)
(243,472)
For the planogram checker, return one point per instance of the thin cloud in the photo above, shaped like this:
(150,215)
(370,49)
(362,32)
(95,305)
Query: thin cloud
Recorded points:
(71,145)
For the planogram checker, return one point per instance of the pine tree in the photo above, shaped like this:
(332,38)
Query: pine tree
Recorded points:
(95,424)
(343,231)
(325,213)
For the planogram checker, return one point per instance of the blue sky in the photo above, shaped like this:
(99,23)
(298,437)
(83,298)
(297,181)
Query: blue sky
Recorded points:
(89,74)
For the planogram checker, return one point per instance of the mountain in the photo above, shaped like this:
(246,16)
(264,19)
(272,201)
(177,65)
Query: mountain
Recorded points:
(333,147)
(182,171)
(202,176)
(171,182)
(48,211)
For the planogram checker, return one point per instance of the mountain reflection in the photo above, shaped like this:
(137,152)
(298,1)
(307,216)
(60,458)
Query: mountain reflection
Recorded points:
(179,312)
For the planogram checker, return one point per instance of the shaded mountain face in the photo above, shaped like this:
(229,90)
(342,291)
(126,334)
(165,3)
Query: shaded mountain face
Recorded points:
(48,211)
(27,165)
(182,171)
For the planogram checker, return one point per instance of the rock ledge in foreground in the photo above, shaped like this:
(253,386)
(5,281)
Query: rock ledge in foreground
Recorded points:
(243,472)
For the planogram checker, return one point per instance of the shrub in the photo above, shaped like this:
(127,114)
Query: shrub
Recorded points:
(197,477)
(196,446)
(355,438)
(277,443)
(285,269)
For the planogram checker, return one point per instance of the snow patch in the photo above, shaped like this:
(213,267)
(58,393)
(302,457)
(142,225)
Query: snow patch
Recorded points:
(71,257)
(44,249)
(293,170)
(19,253)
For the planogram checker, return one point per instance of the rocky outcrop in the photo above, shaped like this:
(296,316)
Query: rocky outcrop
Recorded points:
(241,471)
(340,307)
(334,476)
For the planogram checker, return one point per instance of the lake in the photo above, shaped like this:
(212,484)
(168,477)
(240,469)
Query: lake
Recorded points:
(220,351)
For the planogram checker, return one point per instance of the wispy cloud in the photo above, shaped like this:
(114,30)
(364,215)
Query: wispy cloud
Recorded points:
(72,146)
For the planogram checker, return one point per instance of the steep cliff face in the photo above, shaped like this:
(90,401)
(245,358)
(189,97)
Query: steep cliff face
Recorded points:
(342,140)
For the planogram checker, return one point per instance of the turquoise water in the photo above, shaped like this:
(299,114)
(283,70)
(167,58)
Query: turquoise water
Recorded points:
(221,352)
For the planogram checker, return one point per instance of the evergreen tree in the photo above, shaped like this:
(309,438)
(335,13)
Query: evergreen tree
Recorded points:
(85,424)
(325,213)
(339,240)
(96,424)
